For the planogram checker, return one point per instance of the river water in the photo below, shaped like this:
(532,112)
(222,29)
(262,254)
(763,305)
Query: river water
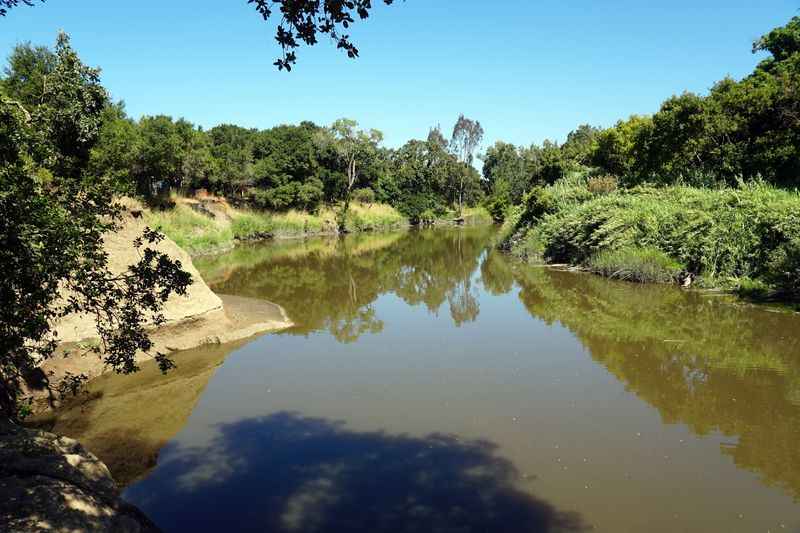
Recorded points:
(434,384)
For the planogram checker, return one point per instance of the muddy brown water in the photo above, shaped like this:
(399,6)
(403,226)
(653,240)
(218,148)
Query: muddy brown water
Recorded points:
(433,384)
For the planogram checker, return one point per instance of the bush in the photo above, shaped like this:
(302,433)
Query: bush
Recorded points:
(724,235)
(783,269)
(419,207)
(293,195)
(644,265)
(599,185)
(364,196)
(497,207)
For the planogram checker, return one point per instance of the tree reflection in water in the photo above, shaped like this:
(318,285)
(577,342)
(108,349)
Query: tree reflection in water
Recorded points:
(332,284)
(701,361)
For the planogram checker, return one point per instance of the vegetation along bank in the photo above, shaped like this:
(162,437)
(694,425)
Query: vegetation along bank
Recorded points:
(703,192)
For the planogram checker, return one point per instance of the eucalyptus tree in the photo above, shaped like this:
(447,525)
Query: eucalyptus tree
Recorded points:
(353,149)
(467,136)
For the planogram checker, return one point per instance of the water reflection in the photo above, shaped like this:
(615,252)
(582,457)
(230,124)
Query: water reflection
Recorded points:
(700,360)
(294,473)
(452,369)
(126,420)
(332,284)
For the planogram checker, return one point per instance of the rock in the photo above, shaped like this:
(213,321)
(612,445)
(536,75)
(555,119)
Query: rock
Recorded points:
(199,299)
(51,483)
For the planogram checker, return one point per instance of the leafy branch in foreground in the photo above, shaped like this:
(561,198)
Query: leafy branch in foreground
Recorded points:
(53,217)
(301,22)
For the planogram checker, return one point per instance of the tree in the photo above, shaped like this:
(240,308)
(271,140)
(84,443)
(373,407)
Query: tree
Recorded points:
(552,164)
(467,135)
(53,215)
(286,168)
(232,148)
(161,155)
(25,76)
(504,171)
(353,148)
(301,22)
(580,144)
(114,155)
(782,43)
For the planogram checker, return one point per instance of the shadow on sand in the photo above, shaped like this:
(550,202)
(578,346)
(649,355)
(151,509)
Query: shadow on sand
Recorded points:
(285,472)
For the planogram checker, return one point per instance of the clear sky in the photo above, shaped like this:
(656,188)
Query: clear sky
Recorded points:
(527,69)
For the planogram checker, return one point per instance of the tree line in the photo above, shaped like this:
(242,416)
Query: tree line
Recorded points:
(740,131)
(290,166)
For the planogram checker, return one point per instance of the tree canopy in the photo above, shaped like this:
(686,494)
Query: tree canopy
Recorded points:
(53,215)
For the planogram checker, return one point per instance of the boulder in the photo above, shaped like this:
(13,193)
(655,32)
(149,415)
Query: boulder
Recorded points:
(51,483)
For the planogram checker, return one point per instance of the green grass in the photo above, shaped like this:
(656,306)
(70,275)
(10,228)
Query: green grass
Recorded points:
(249,225)
(200,234)
(643,265)
(477,215)
(730,237)
(374,217)
(192,231)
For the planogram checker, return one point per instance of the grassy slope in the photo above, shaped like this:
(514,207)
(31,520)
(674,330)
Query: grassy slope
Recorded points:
(745,239)
(199,233)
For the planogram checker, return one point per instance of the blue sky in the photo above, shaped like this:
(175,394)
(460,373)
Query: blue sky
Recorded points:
(527,69)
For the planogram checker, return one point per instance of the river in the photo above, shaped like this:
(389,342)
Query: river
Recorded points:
(433,384)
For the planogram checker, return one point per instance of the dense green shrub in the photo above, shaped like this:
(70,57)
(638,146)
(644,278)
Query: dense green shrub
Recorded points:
(292,195)
(644,265)
(724,235)
(783,268)
(364,196)
(497,206)
(420,208)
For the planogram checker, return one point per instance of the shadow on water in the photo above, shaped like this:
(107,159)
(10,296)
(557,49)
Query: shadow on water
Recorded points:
(300,474)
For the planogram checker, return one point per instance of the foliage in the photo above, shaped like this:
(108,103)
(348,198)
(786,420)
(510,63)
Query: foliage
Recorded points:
(602,184)
(504,173)
(742,129)
(644,265)
(725,235)
(364,196)
(53,215)
(300,22)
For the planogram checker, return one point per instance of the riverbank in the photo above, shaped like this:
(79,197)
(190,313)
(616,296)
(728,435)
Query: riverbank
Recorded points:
(197,318)
(209,225)
(744,240)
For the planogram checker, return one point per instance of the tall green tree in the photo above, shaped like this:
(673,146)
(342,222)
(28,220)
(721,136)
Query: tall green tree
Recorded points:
(467,136)
(53,215)
(353,148)
(115,154)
